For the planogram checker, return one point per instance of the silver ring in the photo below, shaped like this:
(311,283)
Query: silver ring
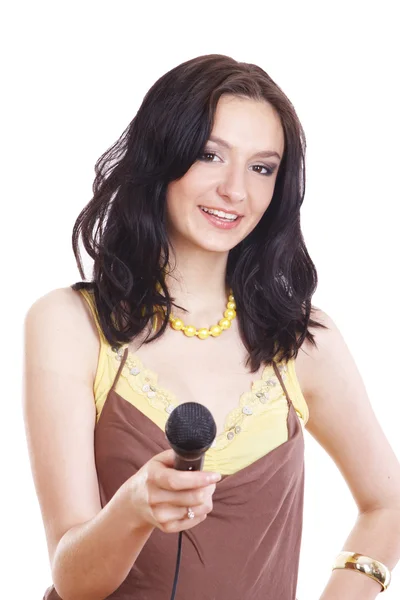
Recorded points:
(190,513)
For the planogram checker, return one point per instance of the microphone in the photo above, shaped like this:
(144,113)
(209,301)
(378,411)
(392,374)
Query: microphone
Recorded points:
(190,430)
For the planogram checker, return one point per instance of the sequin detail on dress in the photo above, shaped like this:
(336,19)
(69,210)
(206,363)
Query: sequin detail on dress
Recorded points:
(145,382)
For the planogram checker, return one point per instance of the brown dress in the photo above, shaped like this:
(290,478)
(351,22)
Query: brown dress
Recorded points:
(248,548)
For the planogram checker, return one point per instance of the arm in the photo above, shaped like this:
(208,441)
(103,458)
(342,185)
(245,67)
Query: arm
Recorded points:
(340,414)
(91,549)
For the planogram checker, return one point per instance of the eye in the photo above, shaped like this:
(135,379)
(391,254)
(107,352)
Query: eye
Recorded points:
(205,156)
(267,170)
(209,156)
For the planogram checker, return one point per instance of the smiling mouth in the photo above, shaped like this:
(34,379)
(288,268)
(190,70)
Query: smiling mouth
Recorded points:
(221,214)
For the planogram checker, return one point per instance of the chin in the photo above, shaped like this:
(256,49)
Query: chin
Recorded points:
(200,240)
(217,245)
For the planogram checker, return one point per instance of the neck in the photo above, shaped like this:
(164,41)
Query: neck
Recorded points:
(197,282)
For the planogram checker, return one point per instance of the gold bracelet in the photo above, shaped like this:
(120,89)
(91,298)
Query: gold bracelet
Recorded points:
(364,564)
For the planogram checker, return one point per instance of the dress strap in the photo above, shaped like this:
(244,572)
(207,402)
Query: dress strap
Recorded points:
(121,366)
(279,376)
(92,305)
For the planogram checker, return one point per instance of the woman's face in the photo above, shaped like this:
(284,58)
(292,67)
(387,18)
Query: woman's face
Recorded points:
(236,174)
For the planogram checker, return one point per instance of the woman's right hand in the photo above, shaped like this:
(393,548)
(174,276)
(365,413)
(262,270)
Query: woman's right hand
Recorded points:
(161,495)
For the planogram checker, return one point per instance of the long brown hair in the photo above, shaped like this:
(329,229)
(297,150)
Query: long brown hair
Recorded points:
(123,226)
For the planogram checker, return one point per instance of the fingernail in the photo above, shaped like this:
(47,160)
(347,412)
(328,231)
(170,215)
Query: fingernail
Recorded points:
(214,477)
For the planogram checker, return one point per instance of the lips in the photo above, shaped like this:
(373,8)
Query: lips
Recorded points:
(220,223)
(222,210)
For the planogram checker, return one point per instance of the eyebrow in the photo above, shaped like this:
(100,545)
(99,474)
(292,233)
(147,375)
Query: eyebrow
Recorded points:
(262,154)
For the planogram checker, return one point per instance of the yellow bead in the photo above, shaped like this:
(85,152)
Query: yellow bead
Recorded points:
(177,324)
(230,314)
(215,330)
(190,330)
(224,323)
(203,333)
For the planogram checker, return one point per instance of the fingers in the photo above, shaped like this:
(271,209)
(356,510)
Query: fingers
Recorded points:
(181,525)
(166,458)
(173,519)
(166,512)
(169,493)
(184,498)
(173,480)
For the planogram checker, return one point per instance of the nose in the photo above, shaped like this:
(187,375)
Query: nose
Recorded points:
(232,185)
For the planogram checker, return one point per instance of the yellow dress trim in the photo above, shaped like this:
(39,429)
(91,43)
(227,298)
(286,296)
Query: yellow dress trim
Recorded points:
(102,359)
(255,426)
(144,382)
(295,393)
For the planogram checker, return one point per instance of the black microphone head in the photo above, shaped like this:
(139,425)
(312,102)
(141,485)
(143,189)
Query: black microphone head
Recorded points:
(190,427)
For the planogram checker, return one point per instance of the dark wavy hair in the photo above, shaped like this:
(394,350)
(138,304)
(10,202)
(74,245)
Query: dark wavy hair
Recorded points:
(123,227)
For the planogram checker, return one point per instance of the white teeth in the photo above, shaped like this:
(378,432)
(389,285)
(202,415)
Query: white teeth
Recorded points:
(219,213)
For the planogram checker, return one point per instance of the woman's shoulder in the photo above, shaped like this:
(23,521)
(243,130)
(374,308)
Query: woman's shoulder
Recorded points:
(64,312)
(310,356)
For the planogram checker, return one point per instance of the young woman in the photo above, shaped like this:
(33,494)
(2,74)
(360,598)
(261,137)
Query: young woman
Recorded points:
(201,291)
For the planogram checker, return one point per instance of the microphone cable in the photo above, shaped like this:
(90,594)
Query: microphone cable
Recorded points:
(178,563)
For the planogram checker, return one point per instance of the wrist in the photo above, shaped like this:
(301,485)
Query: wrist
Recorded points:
(129,508)
(348,585)
(364,565)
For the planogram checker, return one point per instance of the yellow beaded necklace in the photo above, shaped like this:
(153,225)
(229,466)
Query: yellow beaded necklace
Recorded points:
(204,332)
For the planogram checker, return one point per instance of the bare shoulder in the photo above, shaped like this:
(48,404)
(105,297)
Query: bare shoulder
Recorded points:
(310,356)
(63,317)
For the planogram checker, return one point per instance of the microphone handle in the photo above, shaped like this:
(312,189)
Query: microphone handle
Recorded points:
(189,464)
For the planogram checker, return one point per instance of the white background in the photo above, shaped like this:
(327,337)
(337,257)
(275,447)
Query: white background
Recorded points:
(75,74)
